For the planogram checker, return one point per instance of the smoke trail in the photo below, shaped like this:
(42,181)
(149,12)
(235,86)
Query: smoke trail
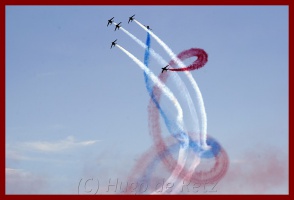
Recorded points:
(175,76)
(198,63)
(179,129)
(203,132)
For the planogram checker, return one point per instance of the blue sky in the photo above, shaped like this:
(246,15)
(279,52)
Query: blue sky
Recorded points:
(76,109)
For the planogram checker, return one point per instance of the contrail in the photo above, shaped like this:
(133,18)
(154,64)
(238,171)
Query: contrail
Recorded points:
(203,133)
(175,76)
(179,130)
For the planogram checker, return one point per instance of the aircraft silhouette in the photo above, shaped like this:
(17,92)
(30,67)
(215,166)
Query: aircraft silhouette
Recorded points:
(148,27)
(113,43)
(131,18)
(117,26)
(164,69)
(110,21)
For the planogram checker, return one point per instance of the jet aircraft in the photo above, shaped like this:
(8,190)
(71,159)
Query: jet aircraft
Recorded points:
(110,21)
(164,69)
(113,43)
(148,27)
(117,26)
(131,18)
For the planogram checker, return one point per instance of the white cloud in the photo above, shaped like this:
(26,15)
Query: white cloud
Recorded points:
(60,145)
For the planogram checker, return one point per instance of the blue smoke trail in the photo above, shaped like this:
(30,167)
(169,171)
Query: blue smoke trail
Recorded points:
(171,126)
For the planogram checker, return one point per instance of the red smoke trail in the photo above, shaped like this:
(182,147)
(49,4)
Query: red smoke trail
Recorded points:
(198,63)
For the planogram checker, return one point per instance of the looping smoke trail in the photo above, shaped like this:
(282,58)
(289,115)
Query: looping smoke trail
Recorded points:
(198,63)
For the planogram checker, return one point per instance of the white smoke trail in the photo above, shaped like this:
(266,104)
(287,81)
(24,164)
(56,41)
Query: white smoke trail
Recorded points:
(175,76)
(203,133)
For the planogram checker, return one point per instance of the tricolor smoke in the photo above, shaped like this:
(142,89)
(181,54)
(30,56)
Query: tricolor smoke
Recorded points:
(186,144)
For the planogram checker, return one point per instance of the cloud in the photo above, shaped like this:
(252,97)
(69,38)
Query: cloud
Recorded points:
(17,156)
(19,181)
(60,145)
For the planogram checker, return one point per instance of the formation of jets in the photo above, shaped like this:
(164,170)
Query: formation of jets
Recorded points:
(117,26)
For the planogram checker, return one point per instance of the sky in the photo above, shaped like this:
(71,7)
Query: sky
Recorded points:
(76,110)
